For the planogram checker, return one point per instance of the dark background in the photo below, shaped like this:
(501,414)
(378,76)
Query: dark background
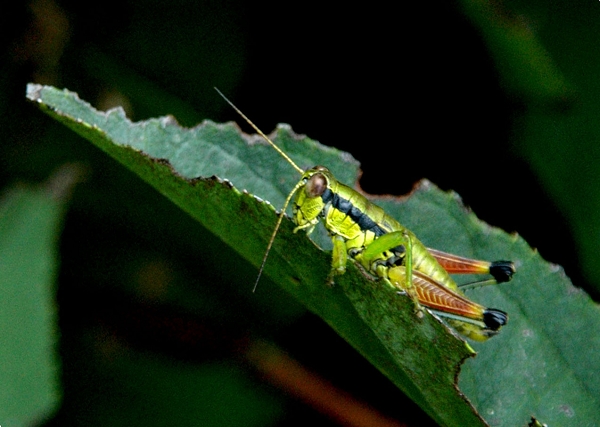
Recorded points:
(431,92)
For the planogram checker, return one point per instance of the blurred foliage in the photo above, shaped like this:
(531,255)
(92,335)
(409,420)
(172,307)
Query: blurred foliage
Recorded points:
(30,223)
(498,104)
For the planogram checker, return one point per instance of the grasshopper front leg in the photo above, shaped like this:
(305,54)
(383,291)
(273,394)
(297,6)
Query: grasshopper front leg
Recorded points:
(339,258)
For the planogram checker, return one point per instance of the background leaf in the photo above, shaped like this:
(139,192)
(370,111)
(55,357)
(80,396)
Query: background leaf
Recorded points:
(30,222)
(236,218)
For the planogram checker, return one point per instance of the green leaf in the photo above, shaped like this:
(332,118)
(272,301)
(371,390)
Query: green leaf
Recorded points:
(540,364)
(30,220)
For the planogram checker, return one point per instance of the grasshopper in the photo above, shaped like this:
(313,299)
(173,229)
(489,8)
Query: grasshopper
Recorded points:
(383,248)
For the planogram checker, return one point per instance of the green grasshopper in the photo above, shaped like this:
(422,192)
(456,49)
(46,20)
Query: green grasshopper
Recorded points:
(385,249)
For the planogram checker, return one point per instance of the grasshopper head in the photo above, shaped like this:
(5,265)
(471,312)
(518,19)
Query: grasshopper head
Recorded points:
(311,196)
(316,181)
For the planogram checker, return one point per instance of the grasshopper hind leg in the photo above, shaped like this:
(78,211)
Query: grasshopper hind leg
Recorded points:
(502,271)
(494,319)
(478,330)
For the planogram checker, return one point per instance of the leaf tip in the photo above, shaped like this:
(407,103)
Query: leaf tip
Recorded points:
(33,91)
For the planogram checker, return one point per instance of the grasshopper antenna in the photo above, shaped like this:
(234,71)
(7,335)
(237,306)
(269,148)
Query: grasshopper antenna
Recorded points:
(289,197)
(260,132)
(281,215)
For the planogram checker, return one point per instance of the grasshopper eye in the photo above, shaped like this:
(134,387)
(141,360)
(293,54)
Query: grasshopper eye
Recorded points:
(316,185)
